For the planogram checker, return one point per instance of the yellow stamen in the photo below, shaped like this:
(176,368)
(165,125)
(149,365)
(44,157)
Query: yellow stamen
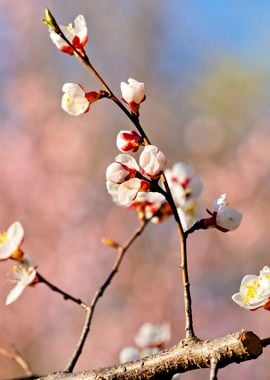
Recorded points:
(252,291)
(3,238)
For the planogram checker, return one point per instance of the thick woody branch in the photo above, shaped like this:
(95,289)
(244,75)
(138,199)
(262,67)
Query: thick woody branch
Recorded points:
(233,348)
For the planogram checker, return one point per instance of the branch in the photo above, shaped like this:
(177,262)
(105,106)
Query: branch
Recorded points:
(18,359)
(233,348)
(214,369)
(99,293)
(66,295)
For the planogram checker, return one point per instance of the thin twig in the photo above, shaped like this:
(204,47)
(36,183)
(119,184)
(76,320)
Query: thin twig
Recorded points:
(265,342)
(99,293)
(18,359)
(213,369)
(66,295)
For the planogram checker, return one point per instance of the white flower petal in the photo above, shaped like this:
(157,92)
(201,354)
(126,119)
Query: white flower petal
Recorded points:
(15,232)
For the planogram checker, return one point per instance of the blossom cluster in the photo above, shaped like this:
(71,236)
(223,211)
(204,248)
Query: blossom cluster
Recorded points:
(24,271)
(138,186)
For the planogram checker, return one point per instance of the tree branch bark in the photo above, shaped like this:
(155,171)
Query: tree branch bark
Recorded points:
(185,356)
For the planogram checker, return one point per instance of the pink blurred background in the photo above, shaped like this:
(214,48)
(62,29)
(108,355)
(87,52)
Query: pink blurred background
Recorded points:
(206,70)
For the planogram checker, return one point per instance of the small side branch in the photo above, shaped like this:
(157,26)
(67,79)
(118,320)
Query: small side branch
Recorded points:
(213,369)
(66,295)
(99,293)
(14,355)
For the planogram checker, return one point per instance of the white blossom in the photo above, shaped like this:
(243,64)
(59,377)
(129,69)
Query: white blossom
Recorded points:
(76,35)
(226,217)
(133,91)
(11,240)
(152,161)
(254,291)
(25,274)
(74,101)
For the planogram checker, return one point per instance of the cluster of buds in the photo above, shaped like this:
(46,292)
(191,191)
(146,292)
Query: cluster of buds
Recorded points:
(72,38)
(125,178)
(185,187)
(24,271)
(254,292)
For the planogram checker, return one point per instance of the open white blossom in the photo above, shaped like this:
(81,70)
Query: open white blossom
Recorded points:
(25,274)
(76,35)
(254,292)
(11,240)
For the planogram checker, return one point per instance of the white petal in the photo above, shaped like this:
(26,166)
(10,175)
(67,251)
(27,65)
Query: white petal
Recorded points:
(73,89)
(75,105)
(228,218)
(7,249)
(15,232)
(80,27)
(57,40)
(127,160)
(15,293)
(182,170)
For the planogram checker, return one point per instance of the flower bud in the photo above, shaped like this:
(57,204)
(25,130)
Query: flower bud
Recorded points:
(152,161)
(117,173)
(133,94)
(74,101)
(128,141)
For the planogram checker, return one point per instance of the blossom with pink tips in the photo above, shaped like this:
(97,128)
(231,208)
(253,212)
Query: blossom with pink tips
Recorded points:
(76,35)
(152,161)
(10,242)
(128,141)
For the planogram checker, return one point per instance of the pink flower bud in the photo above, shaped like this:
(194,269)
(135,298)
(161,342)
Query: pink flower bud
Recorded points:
(152,161)
(128,141)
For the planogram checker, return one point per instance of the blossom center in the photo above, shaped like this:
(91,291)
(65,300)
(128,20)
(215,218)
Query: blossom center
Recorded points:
(3,238)
(252,291)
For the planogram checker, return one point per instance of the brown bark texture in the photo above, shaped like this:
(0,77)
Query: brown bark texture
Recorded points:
(183,357)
